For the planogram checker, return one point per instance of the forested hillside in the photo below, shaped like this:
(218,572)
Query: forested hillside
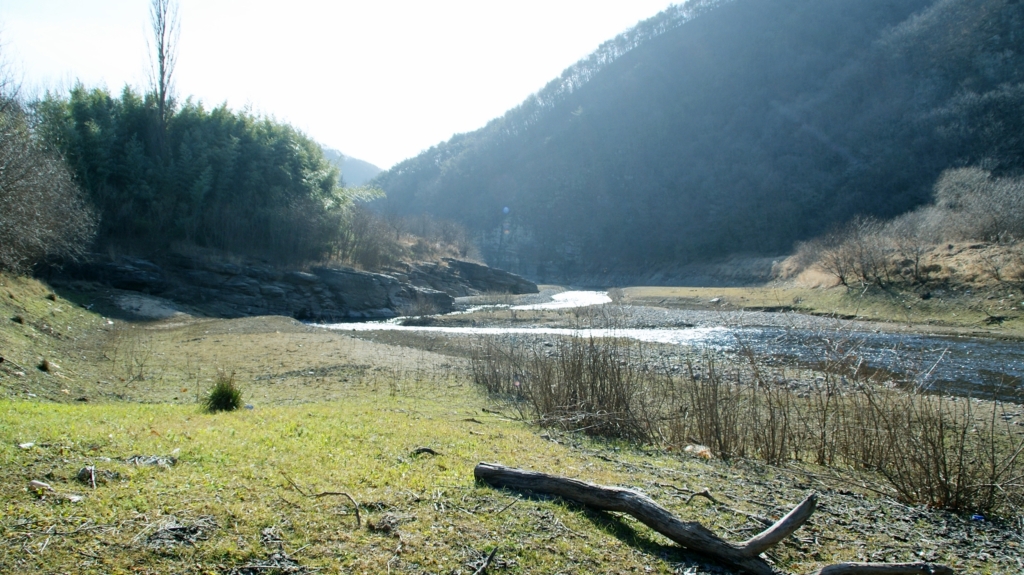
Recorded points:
(725,127)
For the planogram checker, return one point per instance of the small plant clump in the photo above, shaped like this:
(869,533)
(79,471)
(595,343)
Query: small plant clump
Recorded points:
(225,395)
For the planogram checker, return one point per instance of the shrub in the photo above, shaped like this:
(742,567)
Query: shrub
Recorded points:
(954,453)
(42,211)
(225,394)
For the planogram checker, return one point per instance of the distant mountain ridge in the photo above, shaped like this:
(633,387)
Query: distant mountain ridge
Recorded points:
(720,128)
(354,172)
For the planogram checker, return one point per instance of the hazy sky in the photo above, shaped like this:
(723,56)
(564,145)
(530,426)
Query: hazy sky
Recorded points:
(378,80)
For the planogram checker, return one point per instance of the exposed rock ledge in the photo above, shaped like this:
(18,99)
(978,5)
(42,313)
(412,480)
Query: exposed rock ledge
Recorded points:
(226,289)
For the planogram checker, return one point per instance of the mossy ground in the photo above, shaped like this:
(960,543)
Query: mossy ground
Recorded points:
(336,414)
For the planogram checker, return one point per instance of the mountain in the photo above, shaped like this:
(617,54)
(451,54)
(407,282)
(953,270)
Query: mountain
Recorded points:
(732,127)
(354,172)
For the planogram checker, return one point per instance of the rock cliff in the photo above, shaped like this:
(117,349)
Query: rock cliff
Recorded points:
(225,289)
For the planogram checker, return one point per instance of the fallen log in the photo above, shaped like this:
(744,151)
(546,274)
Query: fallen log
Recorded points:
(689,534)
(884,569)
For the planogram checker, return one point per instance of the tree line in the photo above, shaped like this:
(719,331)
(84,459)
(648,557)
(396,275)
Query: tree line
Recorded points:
(142,172)
(217,178)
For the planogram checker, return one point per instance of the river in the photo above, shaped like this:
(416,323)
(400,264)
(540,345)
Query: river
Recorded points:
(962,365)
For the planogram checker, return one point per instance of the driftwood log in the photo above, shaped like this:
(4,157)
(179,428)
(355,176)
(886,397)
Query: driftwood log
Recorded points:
(689,534)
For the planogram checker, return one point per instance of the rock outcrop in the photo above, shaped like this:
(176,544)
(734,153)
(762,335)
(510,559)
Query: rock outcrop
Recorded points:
(459,278)
(226,289)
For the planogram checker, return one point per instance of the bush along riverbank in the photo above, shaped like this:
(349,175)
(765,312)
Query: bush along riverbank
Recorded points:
(959,454)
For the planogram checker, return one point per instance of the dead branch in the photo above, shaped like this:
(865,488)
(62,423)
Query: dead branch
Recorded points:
(689,534)
(359,521)
(487,562)
(884,569)
(705,494)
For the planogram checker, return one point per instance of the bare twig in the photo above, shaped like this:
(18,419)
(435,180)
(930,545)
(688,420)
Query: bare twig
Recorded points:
(295,485)
(705,494)
(304,493)
(355,506)
(505,508)
(487,562)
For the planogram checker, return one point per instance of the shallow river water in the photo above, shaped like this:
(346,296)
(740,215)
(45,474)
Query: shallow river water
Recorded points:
(963,365)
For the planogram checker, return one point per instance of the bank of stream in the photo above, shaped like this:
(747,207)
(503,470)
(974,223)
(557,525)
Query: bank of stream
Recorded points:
(972,366)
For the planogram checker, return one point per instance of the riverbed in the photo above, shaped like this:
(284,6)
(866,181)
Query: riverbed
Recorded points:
(972,366)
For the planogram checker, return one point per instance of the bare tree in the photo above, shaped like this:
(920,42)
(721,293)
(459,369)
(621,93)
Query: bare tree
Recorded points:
(42,211)
(163,15)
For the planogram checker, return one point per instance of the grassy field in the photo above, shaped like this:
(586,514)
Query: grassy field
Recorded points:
(245,486)
(260,490)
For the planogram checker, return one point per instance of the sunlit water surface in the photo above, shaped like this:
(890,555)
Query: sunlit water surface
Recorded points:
(970,366)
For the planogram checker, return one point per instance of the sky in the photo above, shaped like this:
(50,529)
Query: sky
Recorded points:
(380,80)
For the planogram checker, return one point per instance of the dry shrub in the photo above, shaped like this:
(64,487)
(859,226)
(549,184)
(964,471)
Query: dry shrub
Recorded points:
(375,241)
(582,384)
(42,211)
(369,243)
(970,205)
(954,453)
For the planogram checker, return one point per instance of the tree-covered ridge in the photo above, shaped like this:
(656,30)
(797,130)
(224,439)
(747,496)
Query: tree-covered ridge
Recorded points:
(216,178)
(745,128)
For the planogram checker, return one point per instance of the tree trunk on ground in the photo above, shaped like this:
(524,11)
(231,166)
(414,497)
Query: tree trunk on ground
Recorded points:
(689,534)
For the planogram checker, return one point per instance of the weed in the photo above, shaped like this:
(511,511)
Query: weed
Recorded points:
(225,394)
(952,453)
(130,351)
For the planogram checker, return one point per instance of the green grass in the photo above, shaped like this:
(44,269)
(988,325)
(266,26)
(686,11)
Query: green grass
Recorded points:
(35,329)
(232,468)
(237,473)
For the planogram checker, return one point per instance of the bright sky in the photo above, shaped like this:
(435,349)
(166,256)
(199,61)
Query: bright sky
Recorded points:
(378,80)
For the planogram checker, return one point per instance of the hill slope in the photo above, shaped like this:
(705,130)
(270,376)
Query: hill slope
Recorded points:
(354,172)
(719,128)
